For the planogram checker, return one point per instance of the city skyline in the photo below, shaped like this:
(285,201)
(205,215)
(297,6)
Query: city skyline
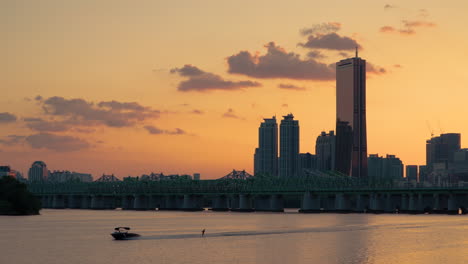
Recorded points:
(137,106)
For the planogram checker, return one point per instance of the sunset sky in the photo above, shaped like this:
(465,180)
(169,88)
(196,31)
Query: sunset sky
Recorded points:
(133,87)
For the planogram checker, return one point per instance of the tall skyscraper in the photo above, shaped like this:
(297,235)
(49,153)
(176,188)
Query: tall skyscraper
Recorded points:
(289,147)
(351,136)
(38,171)
(266,155)
(325,151)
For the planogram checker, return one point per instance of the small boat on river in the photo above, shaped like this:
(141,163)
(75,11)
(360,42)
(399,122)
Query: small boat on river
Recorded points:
(121,233)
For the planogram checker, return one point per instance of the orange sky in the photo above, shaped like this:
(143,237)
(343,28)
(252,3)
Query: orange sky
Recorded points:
(86,59)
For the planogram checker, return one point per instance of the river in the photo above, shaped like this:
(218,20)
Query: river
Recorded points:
(83,236)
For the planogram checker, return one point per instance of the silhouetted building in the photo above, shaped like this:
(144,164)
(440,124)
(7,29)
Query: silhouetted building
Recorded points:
(441,149)
(65,176)
(389,167)
(289,147)
(307,161)
(422,173)
(196,176)
(325,151)
(38,171)
(351,137)
(266,155)
(412,172)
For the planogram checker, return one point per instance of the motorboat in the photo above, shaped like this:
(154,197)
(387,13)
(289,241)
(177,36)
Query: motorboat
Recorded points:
(121,233)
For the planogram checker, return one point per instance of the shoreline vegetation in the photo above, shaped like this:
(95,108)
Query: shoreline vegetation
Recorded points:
(15,199)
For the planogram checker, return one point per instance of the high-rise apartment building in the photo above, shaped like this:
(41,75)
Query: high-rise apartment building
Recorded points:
(442,149)
(389,167)
(351,137)
(289,147)
(38,171)
(266,155)
(325,151)
(412,172)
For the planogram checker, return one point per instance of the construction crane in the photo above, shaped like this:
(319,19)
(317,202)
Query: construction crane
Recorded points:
(430,128)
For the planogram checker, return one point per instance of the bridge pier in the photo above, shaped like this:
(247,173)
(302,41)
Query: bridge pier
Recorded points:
(45,201)
(234,202)
(74,201)
(140,202)
(328,202)
(155,201)
(97,202)
(128,202)
(58,202)
(245,203)
(276,203)
(362,203)
(310,203)
(342,203)
(173,202)
(376,203)
(220,203)
(192,203)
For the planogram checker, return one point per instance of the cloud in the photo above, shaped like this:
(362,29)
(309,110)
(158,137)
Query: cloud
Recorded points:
(156,131)
(277,63)
(198,112)
(6,117)
(291,87)
(202,81)
(408,27)
(56,142)
(386,29)
(231,114)
(388,7)
(397,66)
(109,113)
(315,54)
(330,41)
(322,28)
(12,140)
(373,69)
(344,54)
(284,105)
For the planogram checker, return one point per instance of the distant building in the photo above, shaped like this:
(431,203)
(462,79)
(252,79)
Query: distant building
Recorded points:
(65,176)
(307,161)
(351,135)
(423,173)
(289,147)
(6,171)
(442,149)
(266,155)
(196,176)
(389,167)
(412,172)
(325,151)
(38,172)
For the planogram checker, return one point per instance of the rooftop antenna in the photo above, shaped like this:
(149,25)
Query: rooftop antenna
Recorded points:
(356,51)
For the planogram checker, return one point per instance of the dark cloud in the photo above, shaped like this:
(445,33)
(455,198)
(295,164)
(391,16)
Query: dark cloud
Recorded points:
(198,112)
(322,28)
(38,98)
(344,54)
(373,69)
(315,54)
(156,131)
(202,81)
(6,117)
(397,66)
(41,125)
(12,140)
(408,27)
(112,113)
(284,105)
(330,41)
(231,114)
(277,63)
(291,87)
(56,142)
(388,7)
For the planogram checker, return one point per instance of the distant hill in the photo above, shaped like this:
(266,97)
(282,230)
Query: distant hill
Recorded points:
(15,199)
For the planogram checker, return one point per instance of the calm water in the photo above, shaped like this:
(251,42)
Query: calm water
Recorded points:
(82,236)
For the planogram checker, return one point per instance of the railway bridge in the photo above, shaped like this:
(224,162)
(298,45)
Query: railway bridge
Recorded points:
(314,193)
